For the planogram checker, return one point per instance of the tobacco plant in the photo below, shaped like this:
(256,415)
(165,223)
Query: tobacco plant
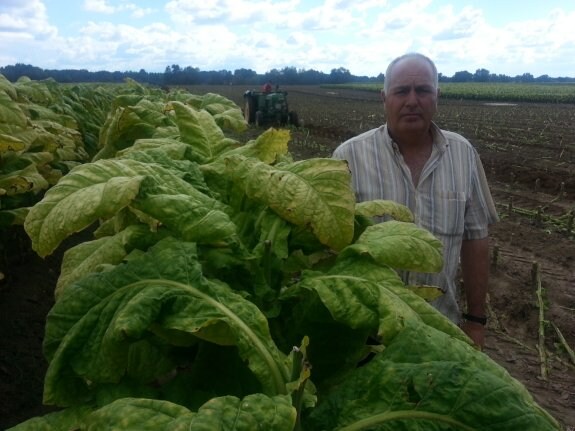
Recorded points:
(229,287)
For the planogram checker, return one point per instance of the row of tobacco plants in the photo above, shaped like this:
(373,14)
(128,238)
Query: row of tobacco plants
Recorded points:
(226,286)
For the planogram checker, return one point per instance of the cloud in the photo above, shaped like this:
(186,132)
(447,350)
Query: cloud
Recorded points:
(198,11)
(102,6)
(262,35)
(24,19)
(533,44)
(99,6)
(138,12)
(457,26)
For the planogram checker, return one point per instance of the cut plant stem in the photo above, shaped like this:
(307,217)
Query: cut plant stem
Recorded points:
(496,323)
(536,277)
(495,257)
(568,349)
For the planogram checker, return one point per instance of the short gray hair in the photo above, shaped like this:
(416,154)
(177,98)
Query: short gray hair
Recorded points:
(405,57)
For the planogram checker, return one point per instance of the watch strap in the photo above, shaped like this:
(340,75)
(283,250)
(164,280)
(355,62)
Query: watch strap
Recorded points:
(476,319)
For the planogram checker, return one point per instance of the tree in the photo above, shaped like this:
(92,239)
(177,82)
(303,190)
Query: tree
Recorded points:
(341,75)
(176,75)
(245,76)
(526,77)
(462,76)
(481,75)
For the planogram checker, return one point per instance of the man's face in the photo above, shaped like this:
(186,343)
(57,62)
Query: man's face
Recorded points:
(411,100)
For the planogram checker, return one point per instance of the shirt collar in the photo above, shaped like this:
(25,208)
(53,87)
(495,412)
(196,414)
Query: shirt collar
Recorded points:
(439,139)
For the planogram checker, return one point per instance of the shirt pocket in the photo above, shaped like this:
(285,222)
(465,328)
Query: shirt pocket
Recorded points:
(444,214)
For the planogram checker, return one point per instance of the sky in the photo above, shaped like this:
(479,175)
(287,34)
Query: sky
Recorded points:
(505,37)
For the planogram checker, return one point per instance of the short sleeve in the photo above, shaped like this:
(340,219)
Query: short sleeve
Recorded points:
(480,211)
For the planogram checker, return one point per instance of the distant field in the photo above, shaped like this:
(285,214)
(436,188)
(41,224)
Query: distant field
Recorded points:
(497,92)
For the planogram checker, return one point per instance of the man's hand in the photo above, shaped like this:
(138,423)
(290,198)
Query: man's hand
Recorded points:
(475,271)
(475,331)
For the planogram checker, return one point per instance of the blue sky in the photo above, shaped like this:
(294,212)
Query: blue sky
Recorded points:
(508,37)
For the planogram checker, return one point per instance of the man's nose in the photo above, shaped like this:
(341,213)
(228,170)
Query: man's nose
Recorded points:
(411,97)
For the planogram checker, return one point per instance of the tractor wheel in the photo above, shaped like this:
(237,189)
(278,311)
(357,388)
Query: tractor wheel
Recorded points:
(293,120)
(259,118)
(249,110)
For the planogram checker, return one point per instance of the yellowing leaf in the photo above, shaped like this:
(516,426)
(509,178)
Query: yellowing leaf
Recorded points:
(10,143)
(314,193)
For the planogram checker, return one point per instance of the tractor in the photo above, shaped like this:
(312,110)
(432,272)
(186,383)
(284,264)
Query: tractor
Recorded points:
(263,107)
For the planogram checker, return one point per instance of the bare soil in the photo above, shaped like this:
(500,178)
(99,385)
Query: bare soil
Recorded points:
(528,151)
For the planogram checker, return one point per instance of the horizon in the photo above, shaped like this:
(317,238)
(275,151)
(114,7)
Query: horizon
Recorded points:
(137,70)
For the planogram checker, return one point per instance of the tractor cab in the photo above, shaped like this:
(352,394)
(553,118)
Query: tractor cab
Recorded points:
(268,107)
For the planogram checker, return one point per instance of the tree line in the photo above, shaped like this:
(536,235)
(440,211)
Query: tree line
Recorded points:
(177,75)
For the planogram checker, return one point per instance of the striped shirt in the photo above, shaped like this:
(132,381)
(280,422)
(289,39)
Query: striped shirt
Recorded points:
(452,199)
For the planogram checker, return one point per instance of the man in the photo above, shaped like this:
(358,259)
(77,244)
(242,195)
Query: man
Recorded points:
(267,87)
(438,175)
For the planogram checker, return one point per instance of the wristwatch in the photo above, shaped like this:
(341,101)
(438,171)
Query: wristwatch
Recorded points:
(475,319)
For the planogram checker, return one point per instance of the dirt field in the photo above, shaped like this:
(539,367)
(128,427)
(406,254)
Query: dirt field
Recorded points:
(529,155)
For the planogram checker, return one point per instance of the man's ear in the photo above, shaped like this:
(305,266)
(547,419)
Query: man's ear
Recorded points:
(438,92)
(382,95)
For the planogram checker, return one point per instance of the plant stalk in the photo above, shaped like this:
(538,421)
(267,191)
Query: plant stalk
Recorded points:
(568,349)
(536,275)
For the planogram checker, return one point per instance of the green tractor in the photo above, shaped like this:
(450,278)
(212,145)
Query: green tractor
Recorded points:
(263,108)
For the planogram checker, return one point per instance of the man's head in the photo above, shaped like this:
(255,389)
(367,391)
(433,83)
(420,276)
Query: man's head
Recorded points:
(410,94)
(411,55)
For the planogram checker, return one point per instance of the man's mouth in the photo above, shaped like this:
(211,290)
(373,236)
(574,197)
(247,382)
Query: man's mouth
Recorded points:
(411,115)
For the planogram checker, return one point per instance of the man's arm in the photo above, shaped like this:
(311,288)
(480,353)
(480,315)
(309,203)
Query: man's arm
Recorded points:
(475,271)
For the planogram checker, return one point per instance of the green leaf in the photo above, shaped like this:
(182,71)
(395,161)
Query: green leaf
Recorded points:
(96,191)
(267,147)
(231,119)
(37,112)
(13,216)
(135,414)
(10,111)
(34,91)
(360,303)
(253,412)
(25,180)
(173,161)
(366,268)
(219,414)
(362,294)
(39,159)
(226,113)
(87,257)
(87,193)
(172,148)
(192,219)
(200,130)
(314,193)
(7,87)
(400,245)
(413,385)
(381,208)
(91,328)
(275,232)
(429,293)
(67,419)
(127,124)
